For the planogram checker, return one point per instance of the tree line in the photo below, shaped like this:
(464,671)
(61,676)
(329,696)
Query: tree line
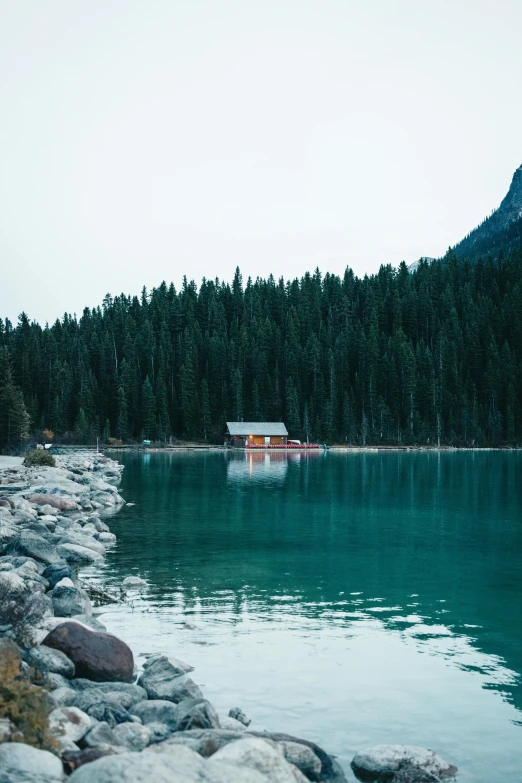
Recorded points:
(397,358)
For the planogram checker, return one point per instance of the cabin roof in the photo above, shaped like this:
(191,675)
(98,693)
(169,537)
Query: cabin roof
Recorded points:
(256,428)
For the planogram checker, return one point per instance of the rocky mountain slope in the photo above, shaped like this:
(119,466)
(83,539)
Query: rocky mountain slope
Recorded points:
(501,231)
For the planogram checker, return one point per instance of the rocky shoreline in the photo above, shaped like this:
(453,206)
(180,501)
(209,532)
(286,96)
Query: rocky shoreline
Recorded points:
(105,722)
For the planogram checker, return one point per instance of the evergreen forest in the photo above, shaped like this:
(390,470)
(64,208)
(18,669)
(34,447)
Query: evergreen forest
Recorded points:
(430,357)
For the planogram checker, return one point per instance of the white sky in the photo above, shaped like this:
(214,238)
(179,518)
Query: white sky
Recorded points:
(140,141)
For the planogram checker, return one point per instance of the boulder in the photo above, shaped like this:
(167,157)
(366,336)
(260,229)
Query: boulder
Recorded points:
(83,539)
(124,694)
(162,680)
(101,735)
(69,722)
(196,714)
(47,659)
(159,732)
(384,761)
(303,758)
(54,502)
(133,736)
(239,715)
(97,655)
(330,768)
(63,697)
(69,600)
(175,764)
(35,546)
(21,763)
(256,754)
(77,554)
(57,681)
(12,582)
(110,713)
(157,711)
(180,666)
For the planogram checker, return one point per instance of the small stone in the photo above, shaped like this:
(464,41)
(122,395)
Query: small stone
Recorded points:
(133,581)
(239,715)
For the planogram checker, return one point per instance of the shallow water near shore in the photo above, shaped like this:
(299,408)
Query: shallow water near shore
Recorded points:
(351,599)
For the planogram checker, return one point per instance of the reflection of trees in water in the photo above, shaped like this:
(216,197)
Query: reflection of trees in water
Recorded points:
(434,534)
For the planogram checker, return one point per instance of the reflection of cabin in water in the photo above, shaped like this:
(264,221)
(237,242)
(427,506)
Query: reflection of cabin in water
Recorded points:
(256,433)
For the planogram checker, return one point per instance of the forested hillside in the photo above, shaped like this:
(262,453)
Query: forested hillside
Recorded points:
(395,358)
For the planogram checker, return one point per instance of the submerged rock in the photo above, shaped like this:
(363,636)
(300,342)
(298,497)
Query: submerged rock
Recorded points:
(96,655)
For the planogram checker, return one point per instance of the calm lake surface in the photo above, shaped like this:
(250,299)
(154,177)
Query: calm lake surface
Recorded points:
(352,599)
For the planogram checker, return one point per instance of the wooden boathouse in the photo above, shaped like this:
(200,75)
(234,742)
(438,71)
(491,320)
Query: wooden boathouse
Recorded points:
(244,434)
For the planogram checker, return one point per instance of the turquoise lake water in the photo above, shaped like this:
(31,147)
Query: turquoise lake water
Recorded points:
(352,599)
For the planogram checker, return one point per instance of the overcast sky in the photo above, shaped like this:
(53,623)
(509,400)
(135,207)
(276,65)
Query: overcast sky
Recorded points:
(141,141)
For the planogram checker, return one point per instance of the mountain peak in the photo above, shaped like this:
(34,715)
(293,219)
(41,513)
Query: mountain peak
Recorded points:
(492,234)
(511,206)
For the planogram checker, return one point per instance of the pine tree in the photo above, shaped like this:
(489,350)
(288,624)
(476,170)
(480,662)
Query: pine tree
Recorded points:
(148,410)
(205,411)
(122,423)
(14,419)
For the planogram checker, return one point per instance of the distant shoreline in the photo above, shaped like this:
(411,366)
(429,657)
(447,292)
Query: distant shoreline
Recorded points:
(330,449)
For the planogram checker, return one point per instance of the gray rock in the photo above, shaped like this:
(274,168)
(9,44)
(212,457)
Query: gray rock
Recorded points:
(101,735)
(106,538)
(69,722)
(21,763)
(133,736)
(196,714)
(37,547)
(180,666)
(76,554)
(162,680)
(124,694)
(63,697)
(156,711)
(69,600)
(83,539)
(330,769)
(256,754)
(205,742)
(303,758)
(386,760)
(57,681)
(48,660)
(12,582)
(158,732)
(174,764)
(108,712)
(239,715)
(55,501)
